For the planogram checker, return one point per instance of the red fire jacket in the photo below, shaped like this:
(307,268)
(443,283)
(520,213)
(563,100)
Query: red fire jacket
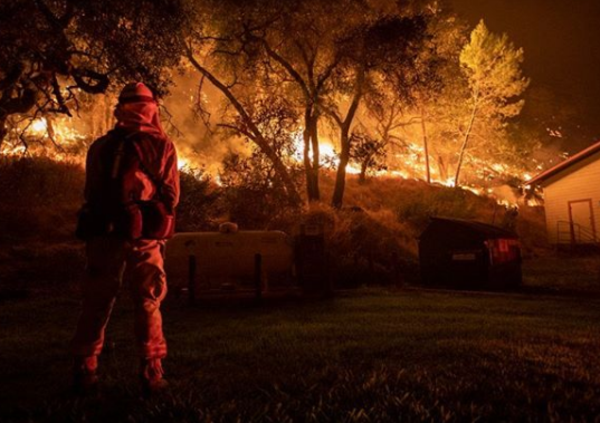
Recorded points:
(157,163)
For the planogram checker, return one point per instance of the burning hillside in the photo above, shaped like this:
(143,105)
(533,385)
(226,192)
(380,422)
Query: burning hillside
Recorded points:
(67,139)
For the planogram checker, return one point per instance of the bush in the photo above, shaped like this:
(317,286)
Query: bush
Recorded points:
(366,247)
(437,201)
(38,180)
(40,197)
(200,205)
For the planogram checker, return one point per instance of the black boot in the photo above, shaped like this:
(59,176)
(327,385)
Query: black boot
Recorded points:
(152,377)
(85,375)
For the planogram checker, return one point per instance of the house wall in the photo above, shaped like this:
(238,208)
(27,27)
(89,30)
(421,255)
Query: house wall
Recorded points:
(578,182)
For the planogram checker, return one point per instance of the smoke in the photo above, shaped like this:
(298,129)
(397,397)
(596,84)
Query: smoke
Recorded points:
(200,143)
(504,194)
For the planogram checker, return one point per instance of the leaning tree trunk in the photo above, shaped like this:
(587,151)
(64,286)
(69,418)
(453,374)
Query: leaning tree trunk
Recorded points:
(340,177)
(465,141)
(253,132)
(425,146)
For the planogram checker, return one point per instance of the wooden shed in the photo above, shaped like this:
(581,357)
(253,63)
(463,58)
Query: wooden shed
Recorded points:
(468,254)
(572,198)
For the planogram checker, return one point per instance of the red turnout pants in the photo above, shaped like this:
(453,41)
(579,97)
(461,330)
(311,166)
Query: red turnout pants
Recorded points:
(107,258)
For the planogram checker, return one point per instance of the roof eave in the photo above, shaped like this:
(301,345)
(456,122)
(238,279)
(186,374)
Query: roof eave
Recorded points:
(564,165)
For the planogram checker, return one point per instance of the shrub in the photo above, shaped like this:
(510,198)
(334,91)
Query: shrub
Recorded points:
(38,180)
(254,194)
(365,247)
(40,197)
(424,204)
(200,205)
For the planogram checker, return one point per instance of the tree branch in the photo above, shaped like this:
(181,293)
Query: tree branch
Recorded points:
(101,81)
(289,68)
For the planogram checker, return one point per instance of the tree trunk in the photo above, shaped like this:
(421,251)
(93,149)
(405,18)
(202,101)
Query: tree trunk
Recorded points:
(465,141)
(311,166)
(316,157)
(425,146)
(340,177)
(362,177)
(442,168)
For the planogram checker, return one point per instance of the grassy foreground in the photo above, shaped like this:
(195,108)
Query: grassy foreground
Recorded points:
(371,355)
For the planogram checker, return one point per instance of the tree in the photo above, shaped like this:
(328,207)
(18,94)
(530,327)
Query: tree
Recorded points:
(221,49)
(401,107)
(303,42)
(436,70)
(52,50)
(320,55)
(368,152)
(302,46)
(492,65)
(385,50)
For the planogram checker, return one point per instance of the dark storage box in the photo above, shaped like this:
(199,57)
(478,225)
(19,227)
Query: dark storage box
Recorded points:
(469,255)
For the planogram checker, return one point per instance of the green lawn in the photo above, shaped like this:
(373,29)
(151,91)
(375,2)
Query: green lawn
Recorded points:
(371,355)
(564,273)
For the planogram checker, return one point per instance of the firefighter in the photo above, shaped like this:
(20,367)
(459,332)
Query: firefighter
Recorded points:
(131,191)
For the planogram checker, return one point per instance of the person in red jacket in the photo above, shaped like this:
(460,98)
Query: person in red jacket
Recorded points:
(131,191)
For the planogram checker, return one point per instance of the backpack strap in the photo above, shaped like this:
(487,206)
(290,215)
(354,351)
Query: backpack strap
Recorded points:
(158,183)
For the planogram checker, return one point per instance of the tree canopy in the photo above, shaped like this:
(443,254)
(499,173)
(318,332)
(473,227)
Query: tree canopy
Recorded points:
(53,49)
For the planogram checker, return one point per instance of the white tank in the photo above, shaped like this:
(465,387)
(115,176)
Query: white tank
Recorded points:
(227,259)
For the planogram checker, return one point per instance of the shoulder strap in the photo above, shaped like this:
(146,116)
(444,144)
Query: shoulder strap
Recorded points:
(119,155)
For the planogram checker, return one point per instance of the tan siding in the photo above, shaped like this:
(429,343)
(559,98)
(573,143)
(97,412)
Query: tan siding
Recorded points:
(581,183)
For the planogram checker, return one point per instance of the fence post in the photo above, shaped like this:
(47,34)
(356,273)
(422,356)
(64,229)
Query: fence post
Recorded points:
(258,275)
(192,280)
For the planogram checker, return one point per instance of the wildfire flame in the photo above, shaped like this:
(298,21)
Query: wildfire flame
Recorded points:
(408,164)
(56,139)
(328,155)
(38,127)
(183,162)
